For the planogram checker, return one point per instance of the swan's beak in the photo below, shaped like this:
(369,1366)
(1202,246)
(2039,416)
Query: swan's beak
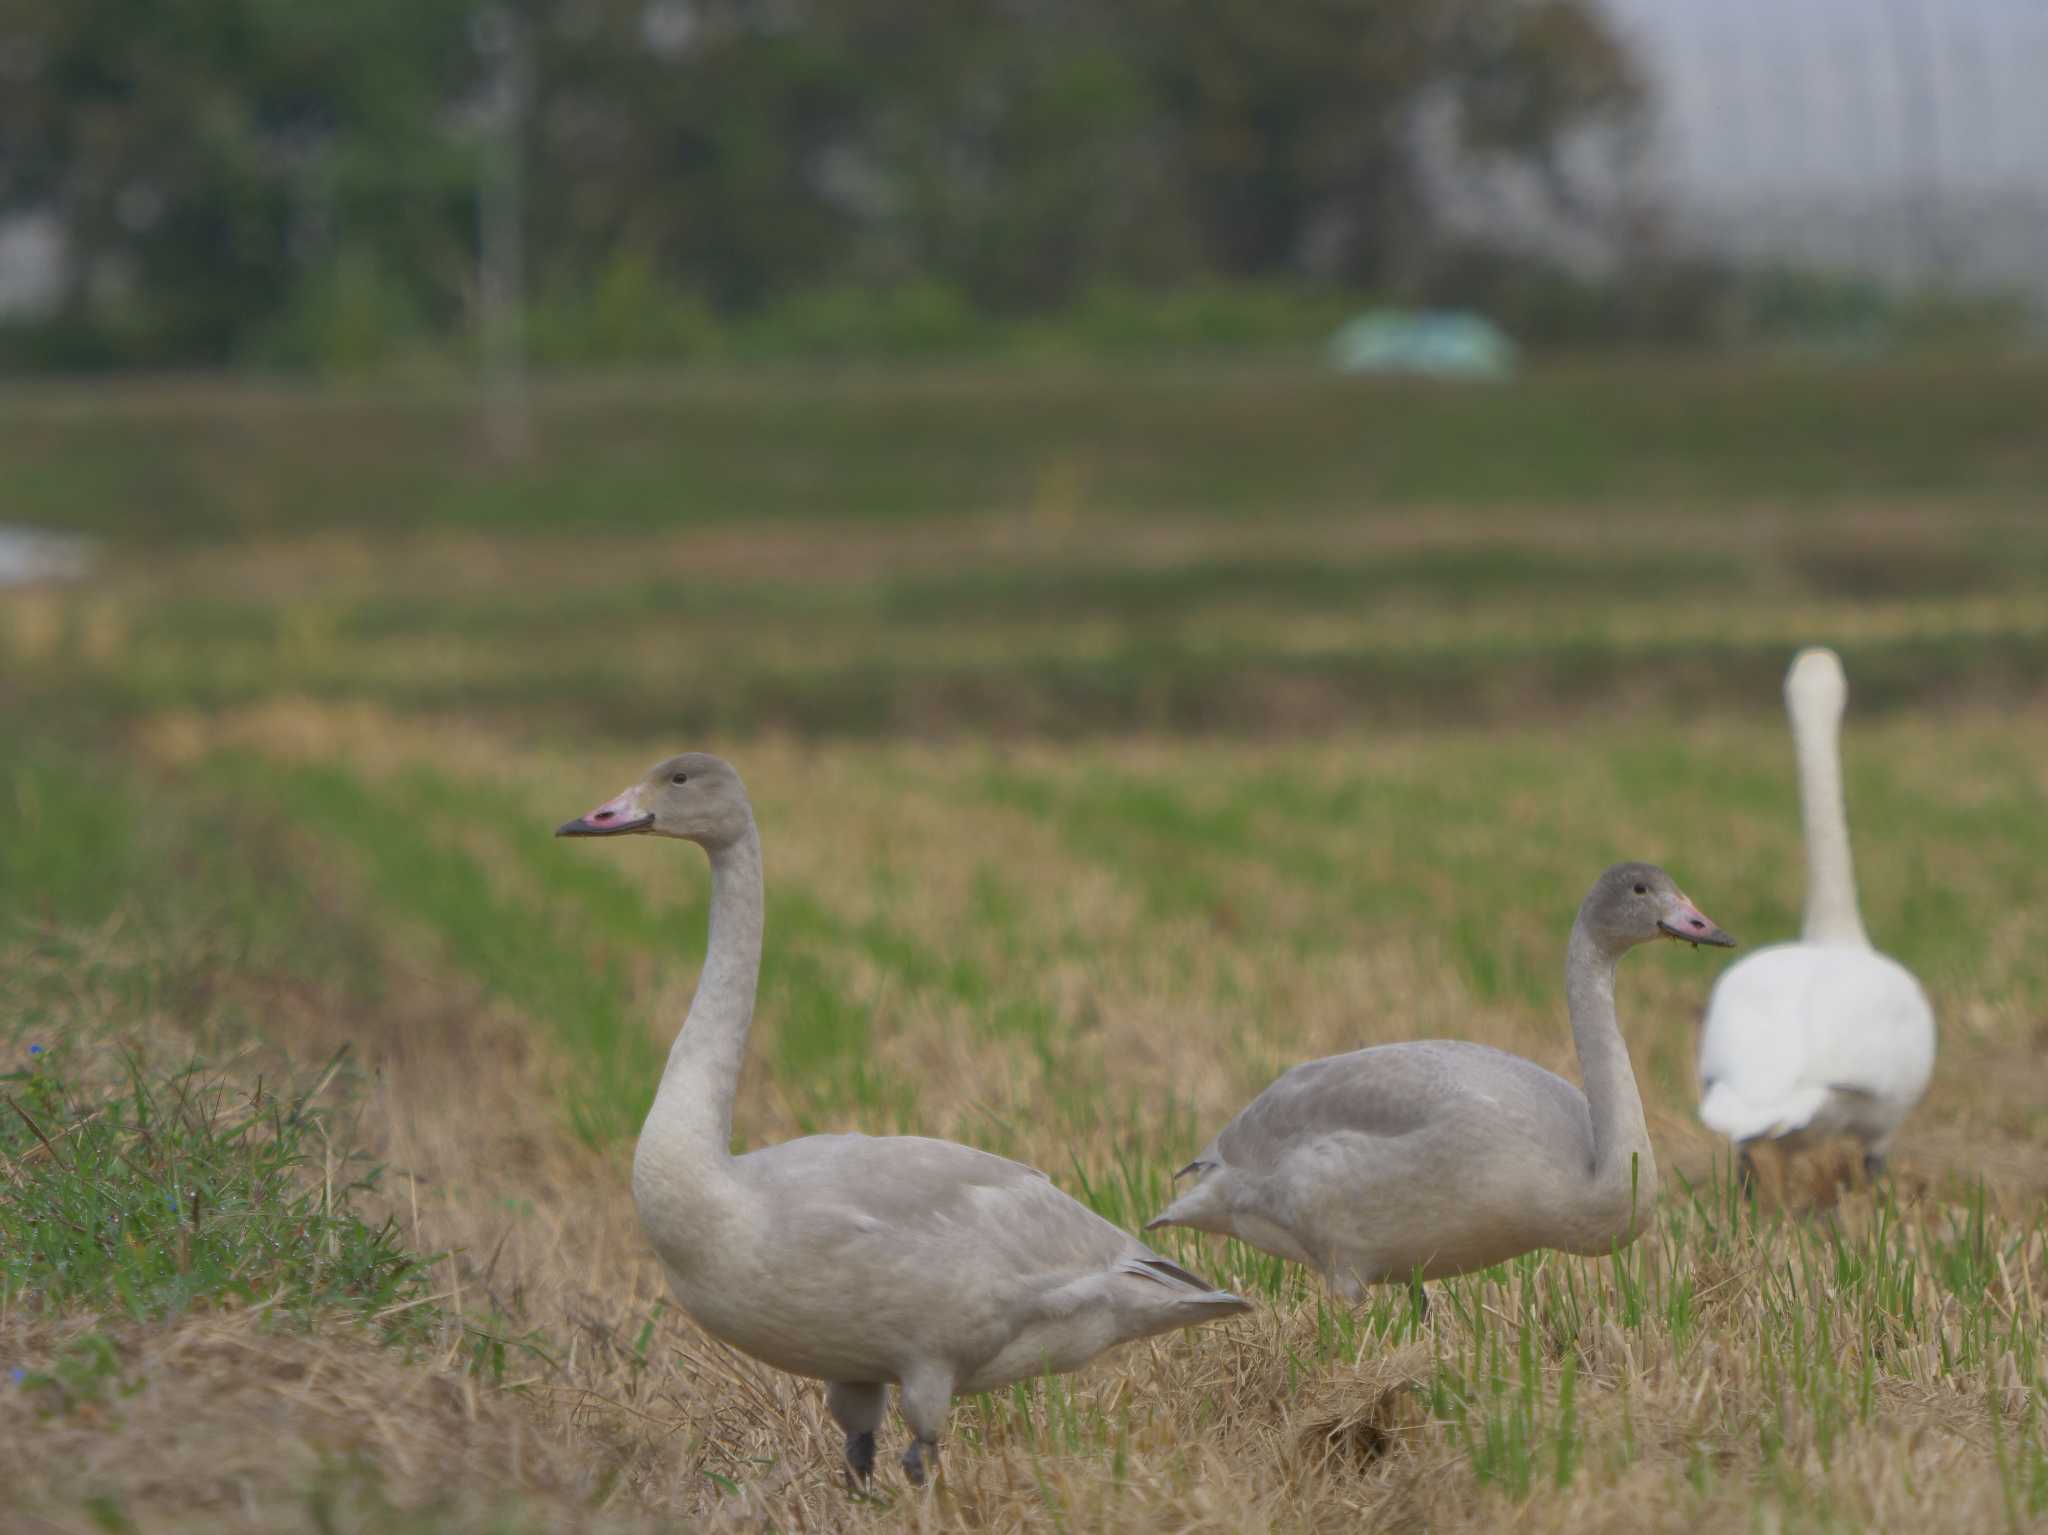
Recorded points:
(1685,920)
(614,818)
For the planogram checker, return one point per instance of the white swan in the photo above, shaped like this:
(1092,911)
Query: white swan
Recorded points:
(859,1261)
(1824,1036)
(1438,1156)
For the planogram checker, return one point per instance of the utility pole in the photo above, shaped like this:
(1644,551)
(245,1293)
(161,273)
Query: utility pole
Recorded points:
(499,35)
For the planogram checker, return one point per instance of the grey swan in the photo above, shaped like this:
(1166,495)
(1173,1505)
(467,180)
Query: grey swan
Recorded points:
(860,1261)
(1435,1157)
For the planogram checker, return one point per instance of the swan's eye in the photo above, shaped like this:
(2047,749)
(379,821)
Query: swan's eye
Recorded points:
(685,778)
(1640,889)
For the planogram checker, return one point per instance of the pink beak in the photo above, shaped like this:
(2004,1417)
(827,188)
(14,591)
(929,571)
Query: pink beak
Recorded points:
(614,818)
(1684,920)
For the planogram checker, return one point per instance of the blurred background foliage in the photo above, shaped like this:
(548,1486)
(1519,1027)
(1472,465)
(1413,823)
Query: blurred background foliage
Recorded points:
(293,186)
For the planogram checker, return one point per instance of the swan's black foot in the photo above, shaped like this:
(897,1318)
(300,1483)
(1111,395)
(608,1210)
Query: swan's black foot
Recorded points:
(914,1461)
(1873,1165)
(860,1455)
(1745,1172)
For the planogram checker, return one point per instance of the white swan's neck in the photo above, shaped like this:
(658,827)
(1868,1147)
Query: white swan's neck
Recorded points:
(1621,1163)
(1831,914)
(689,1129)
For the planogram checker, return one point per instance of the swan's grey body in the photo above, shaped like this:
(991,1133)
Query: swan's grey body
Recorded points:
(1439,1156)
(1825,1036)
(857,1260)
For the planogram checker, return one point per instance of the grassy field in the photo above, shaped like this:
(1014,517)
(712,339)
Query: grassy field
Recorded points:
(1116,740)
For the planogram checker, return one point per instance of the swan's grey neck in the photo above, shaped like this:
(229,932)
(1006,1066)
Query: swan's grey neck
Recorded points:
(692,1113)
(1621,1140)
(1831,914)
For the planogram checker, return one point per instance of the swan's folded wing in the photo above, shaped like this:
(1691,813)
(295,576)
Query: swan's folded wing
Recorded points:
(936,1203)
(1387,1091)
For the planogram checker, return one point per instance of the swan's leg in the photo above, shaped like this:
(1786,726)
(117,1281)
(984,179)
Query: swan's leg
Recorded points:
(1875,1155)
(923,1397)
(857,1407)
(1745,1169)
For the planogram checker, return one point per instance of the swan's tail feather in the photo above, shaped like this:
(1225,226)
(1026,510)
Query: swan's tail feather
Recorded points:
(1194,1297)
(1177,1212)
(1165,1271)
(1182,1210)
(1723,1109)
(1208,1194)
(1217,1303)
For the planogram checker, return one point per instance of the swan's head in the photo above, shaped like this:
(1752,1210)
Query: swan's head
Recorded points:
(1636,903)
(1815,686)
(696,796)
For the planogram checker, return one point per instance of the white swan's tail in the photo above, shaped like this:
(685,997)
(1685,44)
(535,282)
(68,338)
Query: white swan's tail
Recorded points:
(1725,1110)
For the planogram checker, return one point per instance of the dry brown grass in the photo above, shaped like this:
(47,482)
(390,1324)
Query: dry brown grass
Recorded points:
(1250,1426)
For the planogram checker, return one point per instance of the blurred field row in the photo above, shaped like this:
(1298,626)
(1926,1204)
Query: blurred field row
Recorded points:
(1254,548)
(1244,643)
(1230,438)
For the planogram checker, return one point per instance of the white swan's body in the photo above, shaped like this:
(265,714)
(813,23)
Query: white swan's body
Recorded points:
(1439,1156)
(1825,1036)
(860,1261)
(1821,1038)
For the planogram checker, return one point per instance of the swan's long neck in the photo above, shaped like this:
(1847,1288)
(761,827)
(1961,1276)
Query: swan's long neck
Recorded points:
(1831,914)
(690,1126)
(1621,1139)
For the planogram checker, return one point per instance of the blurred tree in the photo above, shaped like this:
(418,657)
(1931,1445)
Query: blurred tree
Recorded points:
(208,157)
(1024,151)
(763,147)
(1302,129)
(218,166)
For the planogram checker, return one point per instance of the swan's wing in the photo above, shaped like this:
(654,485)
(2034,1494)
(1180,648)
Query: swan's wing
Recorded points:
(1387,1091)
(857,1258)
(899,1204)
